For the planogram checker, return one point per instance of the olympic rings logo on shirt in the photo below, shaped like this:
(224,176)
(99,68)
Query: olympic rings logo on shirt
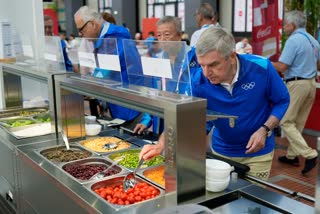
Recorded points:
(248,86)
(262,174)
(192,63)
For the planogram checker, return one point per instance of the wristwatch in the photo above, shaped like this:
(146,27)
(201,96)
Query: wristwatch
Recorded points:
(268,130)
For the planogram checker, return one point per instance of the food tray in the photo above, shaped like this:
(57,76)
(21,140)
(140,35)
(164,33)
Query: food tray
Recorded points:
(133,161)
(118,180)
(143,173)
(75,148)
(91,161)
(33,129)
(101,141)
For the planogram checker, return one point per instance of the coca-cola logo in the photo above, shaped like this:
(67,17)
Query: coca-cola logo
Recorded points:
(264,32)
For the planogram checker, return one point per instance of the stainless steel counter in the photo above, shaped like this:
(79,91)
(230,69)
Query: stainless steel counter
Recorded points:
(45,188)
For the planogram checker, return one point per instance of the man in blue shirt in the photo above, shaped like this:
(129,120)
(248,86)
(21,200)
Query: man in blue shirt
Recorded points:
(246,86)
(48,31)
(169,29)
(298,63)
(90,24)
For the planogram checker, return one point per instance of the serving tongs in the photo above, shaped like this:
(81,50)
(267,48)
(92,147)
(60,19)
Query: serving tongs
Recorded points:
(130,180)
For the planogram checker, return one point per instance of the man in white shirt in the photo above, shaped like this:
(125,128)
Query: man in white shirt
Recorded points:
(206,17)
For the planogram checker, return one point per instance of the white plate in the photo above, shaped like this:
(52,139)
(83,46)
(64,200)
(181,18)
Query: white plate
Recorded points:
(114,122)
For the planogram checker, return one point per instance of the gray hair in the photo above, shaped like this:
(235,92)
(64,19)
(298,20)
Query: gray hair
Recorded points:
(215,39)
(206,10)
(171,19)
(297,18)
(88,14)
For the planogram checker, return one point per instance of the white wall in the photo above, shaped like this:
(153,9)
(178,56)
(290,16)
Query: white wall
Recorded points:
(27,18)
(142,12)
(225,14)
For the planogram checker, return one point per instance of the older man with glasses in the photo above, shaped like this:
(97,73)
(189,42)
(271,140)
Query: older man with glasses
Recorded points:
(91,24)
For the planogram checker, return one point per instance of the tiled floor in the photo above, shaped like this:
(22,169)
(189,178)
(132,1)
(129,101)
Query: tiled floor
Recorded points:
(290,177)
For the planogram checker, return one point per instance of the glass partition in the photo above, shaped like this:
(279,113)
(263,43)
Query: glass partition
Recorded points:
(161,65)
(99,58)
(53,55)
(23,48)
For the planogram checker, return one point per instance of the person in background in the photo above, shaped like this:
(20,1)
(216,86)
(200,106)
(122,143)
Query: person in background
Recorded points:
(232,82)
(168,29)
(64,38)
(72,41)
(90,24)
(215,20)
(243,46)
(204,15)
(138,36)
(298,63)
(48,31)
(185,37)
(150,39)
(108,17)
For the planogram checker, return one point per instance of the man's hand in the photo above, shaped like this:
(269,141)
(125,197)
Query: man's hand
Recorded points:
(150,151)
(257,141)
(139,128)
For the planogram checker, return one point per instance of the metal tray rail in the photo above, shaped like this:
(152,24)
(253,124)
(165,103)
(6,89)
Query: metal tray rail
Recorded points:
(132,146)
(116,181)
(17,111)
(94,160)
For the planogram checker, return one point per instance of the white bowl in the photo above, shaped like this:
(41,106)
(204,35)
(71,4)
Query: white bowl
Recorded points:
(218,179)
(217,169)
(90,119)
(217,186)
(92,129)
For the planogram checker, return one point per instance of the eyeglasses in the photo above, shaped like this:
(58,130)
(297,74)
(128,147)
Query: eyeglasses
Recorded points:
(83,26)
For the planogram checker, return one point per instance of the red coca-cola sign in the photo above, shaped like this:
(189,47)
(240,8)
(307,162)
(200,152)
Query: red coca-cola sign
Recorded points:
(264,32)
(265,28)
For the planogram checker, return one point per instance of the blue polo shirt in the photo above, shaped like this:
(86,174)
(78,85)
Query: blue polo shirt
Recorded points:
(258,93)
(299,55)
(110,30)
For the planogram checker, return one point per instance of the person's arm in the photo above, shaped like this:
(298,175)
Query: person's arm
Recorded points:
(149,151)
(280,67)
(278,96)
(258,139)
(145,123)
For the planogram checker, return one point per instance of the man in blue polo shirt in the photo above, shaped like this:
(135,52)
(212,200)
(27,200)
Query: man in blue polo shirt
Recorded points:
(246,86)
(90,24)
(298,63)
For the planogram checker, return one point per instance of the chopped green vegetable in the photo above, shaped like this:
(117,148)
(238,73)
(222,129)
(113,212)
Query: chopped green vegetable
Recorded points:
(18,122)
(131,159)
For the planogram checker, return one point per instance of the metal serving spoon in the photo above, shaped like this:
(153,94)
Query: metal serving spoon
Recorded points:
(115,144)
(103,172)
(130,180)
(65,139)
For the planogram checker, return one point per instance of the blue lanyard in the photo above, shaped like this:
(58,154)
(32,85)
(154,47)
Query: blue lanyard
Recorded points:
(313,47)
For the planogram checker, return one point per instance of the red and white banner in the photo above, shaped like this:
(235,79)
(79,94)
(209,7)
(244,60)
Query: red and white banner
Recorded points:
(265,33)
